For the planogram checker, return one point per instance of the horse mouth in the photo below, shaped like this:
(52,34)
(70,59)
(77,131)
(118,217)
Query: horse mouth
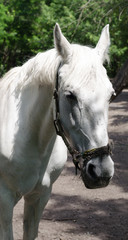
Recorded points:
(94,182)
(99,183)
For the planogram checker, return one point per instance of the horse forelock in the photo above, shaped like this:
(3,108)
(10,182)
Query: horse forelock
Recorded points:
(85,70)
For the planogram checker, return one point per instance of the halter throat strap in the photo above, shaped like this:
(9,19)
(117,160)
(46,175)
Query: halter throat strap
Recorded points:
(79,159)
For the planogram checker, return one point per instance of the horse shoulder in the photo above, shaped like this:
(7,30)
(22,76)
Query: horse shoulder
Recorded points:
(56,162)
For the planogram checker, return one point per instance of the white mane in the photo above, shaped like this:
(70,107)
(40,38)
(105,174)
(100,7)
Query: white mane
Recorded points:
(38,70)
(84,63)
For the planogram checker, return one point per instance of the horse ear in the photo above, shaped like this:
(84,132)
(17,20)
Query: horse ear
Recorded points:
(61,43)
(103,44)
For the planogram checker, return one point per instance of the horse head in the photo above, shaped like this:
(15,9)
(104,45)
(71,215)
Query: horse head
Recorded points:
(84,93)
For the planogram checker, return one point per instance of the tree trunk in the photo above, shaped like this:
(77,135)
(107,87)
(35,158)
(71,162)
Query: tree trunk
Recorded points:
(121,80)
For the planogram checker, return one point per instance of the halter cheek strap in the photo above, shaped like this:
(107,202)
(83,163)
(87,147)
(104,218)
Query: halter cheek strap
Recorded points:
(79,159)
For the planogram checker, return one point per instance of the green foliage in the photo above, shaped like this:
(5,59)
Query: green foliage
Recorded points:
(26,27)
(18,18)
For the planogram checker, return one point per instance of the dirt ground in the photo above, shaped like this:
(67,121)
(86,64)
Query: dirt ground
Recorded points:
(77,213)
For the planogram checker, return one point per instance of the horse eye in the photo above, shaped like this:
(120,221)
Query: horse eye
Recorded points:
(70,96)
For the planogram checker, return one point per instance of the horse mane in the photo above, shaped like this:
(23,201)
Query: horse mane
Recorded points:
(38,70)
(42,69)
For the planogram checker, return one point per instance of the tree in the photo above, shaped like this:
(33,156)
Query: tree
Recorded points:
(121,79)
(26,27)
(5,19)
(18,29)
(82,22)
(93,15)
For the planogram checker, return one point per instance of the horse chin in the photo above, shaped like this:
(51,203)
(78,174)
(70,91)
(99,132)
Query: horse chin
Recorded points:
(93,183)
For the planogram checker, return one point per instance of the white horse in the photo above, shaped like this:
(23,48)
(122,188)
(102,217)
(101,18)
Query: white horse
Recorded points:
(32,156)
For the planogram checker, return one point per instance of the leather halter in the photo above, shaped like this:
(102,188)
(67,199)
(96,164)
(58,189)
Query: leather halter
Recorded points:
(79,159)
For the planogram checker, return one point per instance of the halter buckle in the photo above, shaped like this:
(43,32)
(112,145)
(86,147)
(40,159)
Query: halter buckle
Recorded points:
(56,124)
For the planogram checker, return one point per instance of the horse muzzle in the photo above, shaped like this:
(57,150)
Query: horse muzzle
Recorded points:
(97,173)
(96,166)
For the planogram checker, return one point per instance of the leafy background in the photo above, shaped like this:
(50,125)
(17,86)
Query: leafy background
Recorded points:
(26,27)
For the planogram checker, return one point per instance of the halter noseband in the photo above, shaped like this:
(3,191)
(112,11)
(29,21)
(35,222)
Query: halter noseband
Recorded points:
(79,159)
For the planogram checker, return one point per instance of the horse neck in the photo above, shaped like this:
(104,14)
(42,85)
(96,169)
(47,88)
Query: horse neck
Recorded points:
(36,107)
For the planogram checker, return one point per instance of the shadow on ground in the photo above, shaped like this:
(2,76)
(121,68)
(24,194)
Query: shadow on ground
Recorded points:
(118,132)
(107,219)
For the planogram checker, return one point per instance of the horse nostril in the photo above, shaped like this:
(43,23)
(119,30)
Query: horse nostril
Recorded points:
(91,170)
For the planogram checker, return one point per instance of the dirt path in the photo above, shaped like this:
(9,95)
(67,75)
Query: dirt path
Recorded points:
(76,213)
